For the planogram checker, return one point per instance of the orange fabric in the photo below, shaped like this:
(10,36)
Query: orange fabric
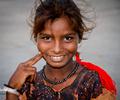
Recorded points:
(106,80)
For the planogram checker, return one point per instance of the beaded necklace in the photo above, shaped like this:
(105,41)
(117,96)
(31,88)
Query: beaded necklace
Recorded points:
(63,80)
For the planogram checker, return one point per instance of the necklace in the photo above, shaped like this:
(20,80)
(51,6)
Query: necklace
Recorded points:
(60,81)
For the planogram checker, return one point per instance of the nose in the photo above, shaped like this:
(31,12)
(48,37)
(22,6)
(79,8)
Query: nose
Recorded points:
(57,47)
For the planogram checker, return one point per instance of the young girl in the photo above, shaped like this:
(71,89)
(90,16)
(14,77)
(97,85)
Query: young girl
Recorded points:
(58,28)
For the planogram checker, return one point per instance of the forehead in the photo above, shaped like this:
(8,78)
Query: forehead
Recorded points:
(58,25)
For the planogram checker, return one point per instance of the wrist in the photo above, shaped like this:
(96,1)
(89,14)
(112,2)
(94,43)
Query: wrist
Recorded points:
(14,85)
(10,90)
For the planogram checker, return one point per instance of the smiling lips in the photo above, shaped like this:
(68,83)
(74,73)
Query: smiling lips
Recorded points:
(56,58)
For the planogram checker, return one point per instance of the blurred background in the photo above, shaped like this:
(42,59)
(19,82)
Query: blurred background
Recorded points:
(102,47)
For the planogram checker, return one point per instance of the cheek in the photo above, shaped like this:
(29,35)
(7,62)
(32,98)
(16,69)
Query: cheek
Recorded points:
(72,48)
(41,47)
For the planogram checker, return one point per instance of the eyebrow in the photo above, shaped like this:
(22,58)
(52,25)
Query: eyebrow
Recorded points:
(70,33)
(44,34)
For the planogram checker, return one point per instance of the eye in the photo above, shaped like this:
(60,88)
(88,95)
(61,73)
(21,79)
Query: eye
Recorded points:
(68,38)
(46,38)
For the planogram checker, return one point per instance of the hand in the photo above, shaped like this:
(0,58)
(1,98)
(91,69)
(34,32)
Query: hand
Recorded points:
(106,95)
(23,71)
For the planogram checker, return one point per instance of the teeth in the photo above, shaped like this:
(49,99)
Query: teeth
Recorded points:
(58,58)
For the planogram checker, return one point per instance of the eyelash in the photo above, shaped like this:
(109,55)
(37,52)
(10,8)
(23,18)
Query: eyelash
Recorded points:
(68,38)
(46,38)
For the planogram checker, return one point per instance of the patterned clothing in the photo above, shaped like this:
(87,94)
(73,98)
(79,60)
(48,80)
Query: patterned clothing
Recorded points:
(87,85)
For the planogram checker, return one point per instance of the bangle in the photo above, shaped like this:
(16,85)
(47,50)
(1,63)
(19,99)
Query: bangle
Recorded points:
(9,89)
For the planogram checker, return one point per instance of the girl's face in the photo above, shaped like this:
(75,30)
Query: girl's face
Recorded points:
(57,42)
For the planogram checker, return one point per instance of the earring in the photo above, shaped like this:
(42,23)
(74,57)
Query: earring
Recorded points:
(77,57)
(74,58)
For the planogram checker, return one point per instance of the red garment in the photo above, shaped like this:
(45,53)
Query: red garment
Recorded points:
(106,80)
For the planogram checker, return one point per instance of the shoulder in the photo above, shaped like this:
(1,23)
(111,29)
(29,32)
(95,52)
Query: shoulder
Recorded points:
(105,78)
(89,83)
(88,75)
(90,79)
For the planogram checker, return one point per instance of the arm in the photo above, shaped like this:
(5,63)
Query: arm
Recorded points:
(10,96)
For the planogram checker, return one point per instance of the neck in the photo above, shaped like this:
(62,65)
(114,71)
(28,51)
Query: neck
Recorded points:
(59,73)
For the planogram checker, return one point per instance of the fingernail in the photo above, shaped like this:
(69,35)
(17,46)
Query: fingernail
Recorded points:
(39,52)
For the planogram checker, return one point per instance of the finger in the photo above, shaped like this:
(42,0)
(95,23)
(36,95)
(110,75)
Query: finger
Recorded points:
(33,60)
(30,68)
(30,75)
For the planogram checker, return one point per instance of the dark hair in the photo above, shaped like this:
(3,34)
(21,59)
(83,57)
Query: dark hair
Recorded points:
(51,9)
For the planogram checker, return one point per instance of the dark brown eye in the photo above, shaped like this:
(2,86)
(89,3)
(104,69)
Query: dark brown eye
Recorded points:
(68,38)
(46,38)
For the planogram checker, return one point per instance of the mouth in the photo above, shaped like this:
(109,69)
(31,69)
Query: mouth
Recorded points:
(57,58)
